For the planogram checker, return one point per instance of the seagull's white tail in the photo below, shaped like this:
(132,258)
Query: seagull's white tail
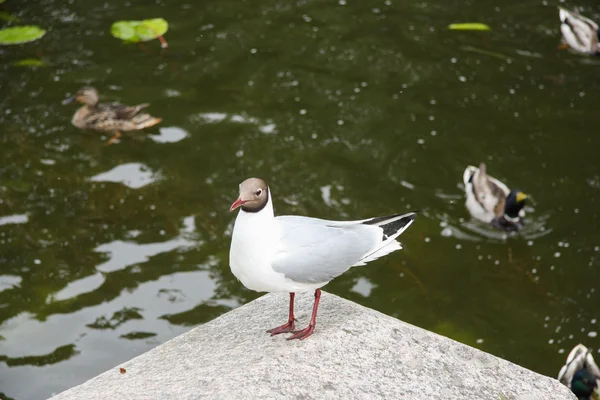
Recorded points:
(389,247)
(392,227)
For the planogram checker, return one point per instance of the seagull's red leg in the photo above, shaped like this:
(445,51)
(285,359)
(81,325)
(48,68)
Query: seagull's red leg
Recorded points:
(306,332)
(289,326)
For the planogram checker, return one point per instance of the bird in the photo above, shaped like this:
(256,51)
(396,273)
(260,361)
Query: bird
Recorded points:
(490,200)
(579,33)
(581,374)
(300,254)
(108,117)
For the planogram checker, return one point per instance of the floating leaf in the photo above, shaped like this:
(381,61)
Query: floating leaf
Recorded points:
(21,34)
(469,26)
(140,31)
(29,62)
(151,29)
(124,30)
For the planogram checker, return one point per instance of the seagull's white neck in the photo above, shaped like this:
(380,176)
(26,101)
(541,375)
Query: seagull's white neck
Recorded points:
(252,243)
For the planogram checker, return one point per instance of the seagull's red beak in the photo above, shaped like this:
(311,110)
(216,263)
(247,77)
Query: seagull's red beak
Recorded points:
(238,203)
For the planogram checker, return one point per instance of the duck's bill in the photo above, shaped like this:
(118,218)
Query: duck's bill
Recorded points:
(238,203)
(69,99)
(521,197)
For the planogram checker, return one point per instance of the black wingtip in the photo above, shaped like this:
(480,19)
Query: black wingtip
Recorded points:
(414,213)
(393,224)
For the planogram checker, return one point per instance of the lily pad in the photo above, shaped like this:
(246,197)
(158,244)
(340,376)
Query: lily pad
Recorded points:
(124,30)
(152,28)
(469,26)
(21,34)
(139,31)
(29,62)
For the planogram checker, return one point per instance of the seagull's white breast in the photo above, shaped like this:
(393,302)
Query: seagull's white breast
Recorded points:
(253,244)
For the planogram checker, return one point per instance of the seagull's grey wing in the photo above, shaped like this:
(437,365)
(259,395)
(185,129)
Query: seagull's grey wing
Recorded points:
(311,251)
(292,220)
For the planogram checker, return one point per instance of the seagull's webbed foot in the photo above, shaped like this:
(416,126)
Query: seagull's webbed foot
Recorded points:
(285,328)
(303,334)
(289,326)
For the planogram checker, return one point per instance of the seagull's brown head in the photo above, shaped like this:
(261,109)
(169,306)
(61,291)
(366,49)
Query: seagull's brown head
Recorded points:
(254,195)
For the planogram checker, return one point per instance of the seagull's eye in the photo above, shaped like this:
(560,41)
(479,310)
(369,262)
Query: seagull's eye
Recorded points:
(258,192)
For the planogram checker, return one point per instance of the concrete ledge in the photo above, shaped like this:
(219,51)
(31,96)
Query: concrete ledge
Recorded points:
(355,353)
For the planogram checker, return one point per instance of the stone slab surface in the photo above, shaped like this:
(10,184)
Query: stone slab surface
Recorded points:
(355,353)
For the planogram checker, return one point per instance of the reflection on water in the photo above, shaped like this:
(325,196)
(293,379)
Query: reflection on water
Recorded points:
(133,175)
(145,309)
(170,134)
(78,287)
(363,286)
(14,219)
(349,111)
(331,201)
(215,117)
(9,282)
(123,254)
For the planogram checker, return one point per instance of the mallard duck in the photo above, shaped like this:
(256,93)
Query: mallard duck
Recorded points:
(490,200)
(579,33)
(108,117)
(581,374)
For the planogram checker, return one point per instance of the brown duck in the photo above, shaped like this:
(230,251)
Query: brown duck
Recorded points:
(108,117)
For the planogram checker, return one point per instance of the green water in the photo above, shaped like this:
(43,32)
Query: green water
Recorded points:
(349,110)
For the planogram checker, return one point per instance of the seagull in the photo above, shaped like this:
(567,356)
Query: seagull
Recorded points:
(299,254)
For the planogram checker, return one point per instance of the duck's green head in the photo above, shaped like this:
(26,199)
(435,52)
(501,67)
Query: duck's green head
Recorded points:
(583,384)
(86,95)
(515,203)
